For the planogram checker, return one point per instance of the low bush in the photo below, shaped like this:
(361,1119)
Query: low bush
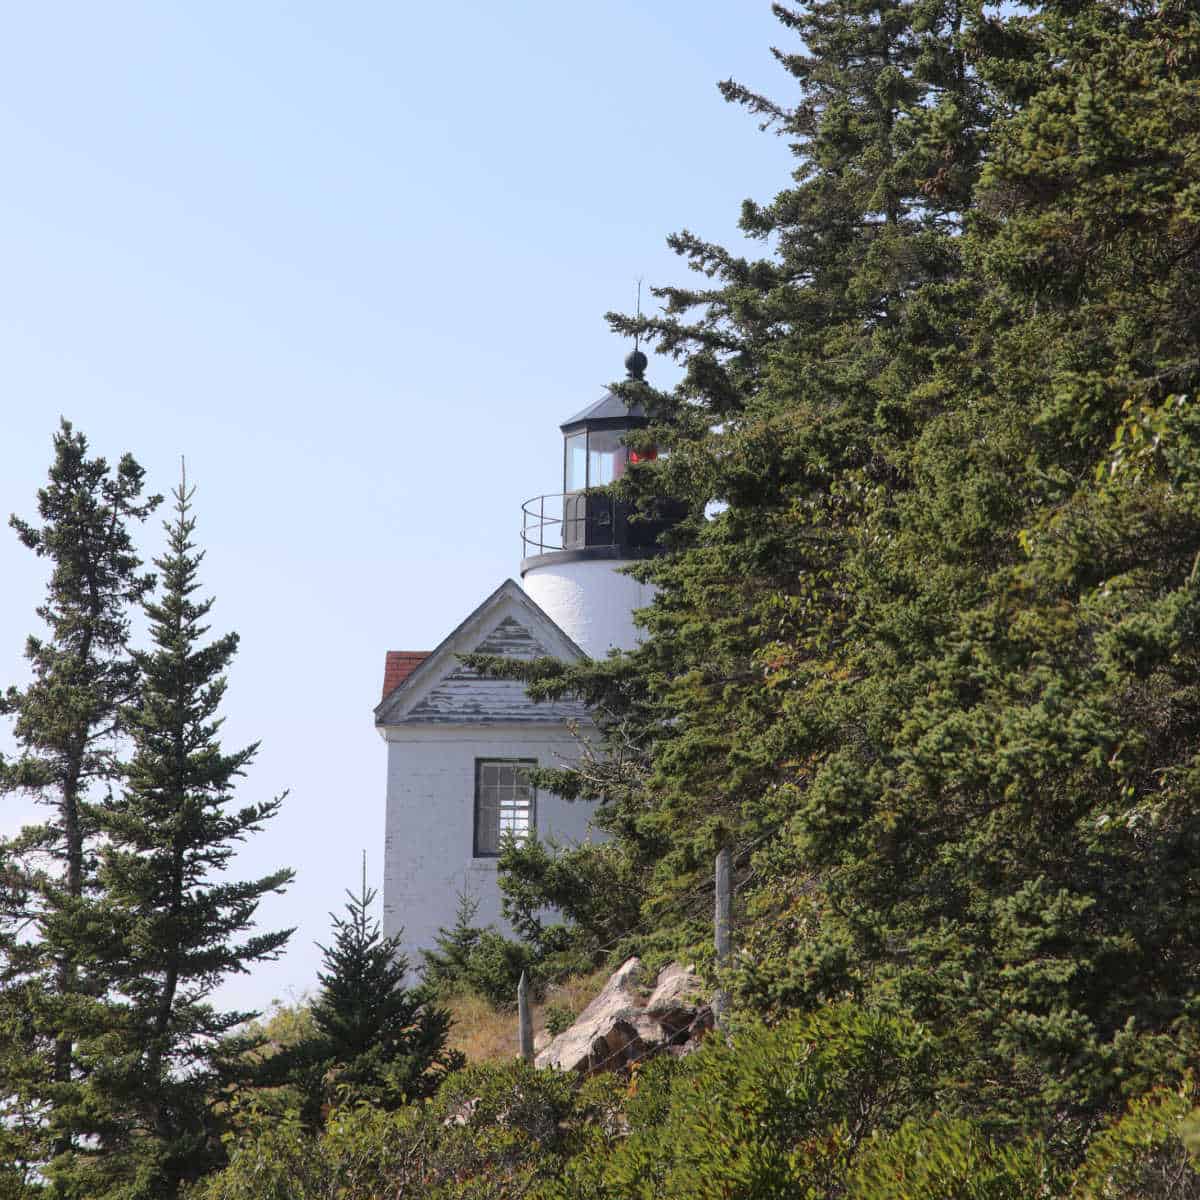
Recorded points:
(779,1112)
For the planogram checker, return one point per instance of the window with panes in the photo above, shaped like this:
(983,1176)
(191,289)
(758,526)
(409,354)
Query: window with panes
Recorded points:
(505,802)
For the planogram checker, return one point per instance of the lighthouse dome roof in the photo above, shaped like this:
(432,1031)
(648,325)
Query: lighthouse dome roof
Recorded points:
(610,409)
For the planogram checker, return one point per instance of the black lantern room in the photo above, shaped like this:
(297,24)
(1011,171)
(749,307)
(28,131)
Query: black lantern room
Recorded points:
(593,523)
(595,455)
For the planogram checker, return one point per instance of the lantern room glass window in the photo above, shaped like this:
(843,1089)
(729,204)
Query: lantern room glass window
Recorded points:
(576,463)
(594,458)
(606,457)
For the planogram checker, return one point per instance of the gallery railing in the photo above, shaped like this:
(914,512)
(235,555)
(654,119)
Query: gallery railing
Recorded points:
(568,521)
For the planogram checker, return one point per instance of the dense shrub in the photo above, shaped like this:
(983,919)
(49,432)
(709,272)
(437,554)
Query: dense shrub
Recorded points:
(491,1132)
(478,960)
(779,1112)
(1144,1155)
(950,1160)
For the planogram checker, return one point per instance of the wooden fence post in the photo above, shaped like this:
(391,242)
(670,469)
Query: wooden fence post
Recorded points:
(722,937)
(524,1021)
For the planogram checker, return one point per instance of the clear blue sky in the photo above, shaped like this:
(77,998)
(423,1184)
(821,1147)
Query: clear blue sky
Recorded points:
(351,260)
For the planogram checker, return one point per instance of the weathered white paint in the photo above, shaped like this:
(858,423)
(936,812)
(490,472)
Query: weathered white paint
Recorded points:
(430,821)
(436,724)
(590,601)
(464,695)
(442,688)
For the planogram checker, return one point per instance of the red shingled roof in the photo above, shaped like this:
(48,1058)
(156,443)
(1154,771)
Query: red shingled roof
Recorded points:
(398,666)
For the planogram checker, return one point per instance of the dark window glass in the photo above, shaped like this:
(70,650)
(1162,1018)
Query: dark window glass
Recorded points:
(505,802)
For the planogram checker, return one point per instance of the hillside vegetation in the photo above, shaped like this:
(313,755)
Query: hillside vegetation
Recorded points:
(924,655)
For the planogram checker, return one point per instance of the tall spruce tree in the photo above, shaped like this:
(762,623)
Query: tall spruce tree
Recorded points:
(165,926)
(931,669)
(804,387)
(933,666)
(1014,856)
(66,724)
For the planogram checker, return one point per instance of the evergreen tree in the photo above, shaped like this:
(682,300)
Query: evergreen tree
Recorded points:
(376,1039)
(805,384)
(164,927)
(448,966)
(66,724)
(931,669)
(1014,856)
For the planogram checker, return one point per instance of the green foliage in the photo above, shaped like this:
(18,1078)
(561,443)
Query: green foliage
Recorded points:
(951,1160)
(495,966)
(592,886)
(1008,847)
(837,1104)
(66,725)
(446,967)
(1143,1155)
(163,929)
(930,666)
(482,961)
(803,370)
(373,1040)
(780,1112)
(491,1132)
(355,1157)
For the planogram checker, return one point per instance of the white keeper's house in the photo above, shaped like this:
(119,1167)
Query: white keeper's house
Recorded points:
(459,745)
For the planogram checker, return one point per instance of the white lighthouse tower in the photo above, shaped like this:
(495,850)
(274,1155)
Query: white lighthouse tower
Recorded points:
(576,541)
(462,745)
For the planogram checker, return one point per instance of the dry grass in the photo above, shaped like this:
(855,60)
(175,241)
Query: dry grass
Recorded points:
(485,1035)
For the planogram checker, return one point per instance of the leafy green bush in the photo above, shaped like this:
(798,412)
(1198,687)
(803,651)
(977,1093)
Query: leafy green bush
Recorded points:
(1145,1154)
(491,1132)
(950,1160)
(779,1112)
(558,1017)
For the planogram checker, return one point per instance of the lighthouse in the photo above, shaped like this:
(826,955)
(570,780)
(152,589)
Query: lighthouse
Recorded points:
(461,744)
(576,541)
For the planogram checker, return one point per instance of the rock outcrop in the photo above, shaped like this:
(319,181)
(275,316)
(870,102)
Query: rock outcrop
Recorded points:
(628,1022)
(676,1000)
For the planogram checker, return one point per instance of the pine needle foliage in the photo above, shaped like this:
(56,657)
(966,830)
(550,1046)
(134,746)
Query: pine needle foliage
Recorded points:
(165,927)
(928,664)
(376,1040)
(448,965)
(66,725)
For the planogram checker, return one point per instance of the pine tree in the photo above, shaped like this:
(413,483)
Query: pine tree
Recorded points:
(935,662)
(805,387)
(165,928)
(932,667)
(1014,856)
(447,966)
(66,723)
(376,1039)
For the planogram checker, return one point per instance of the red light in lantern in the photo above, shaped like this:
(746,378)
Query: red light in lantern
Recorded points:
(646,456)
